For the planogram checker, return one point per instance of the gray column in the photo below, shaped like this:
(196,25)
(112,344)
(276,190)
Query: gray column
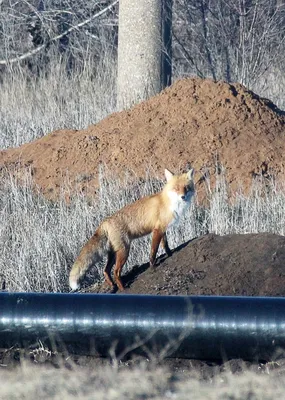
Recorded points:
(144,49)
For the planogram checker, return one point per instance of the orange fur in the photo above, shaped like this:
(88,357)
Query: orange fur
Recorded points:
(151,214)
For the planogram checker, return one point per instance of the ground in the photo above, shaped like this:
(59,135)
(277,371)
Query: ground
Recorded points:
(243,265)
(247,265)
(208,125)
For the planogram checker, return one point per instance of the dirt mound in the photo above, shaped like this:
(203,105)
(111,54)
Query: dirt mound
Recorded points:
(247,265)
(194,120)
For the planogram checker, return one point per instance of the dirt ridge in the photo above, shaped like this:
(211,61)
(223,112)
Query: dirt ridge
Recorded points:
(230,265)
(194,120)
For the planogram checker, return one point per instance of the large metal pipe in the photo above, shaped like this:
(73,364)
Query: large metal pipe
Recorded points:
(203,327)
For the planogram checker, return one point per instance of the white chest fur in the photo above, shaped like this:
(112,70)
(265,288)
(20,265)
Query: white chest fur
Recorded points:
(177,206)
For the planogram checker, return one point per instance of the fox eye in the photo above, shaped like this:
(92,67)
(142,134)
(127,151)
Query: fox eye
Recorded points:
(188,188)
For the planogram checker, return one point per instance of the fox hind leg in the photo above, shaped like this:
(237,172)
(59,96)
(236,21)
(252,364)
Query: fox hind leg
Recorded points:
(107,270)
(121,258)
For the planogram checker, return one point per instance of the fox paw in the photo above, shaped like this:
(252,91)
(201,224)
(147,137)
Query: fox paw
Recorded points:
(152,267)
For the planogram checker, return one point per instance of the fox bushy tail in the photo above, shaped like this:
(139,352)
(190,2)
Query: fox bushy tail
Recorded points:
(92,252)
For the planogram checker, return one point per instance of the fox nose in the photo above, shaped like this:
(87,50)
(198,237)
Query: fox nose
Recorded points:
(183,197)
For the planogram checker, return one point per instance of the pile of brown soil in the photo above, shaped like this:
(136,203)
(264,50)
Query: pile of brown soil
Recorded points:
(197,121)
(245,265)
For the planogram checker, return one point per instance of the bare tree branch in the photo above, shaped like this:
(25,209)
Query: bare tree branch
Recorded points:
(57,37)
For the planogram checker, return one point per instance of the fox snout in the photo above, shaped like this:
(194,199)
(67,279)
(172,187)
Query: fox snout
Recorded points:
(186,196)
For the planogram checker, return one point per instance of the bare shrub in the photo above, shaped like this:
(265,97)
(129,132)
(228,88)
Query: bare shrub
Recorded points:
(236,41)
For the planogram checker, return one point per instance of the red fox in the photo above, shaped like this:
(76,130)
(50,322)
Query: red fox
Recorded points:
(151,214)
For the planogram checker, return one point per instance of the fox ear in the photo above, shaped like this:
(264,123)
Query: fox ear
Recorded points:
(168,174)
(190,174)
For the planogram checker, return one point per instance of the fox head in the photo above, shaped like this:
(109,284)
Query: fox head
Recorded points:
(180,190)
(182,185)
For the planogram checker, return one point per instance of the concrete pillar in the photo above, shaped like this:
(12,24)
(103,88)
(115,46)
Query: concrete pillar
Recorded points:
(144,50)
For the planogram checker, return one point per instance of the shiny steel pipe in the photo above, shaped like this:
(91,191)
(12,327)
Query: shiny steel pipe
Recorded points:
(202,327)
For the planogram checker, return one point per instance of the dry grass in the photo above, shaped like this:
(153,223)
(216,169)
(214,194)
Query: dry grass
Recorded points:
(29,382)
(31,108)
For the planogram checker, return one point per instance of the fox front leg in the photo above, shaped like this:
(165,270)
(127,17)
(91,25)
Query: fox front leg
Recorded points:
(164,243)
(157,236)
